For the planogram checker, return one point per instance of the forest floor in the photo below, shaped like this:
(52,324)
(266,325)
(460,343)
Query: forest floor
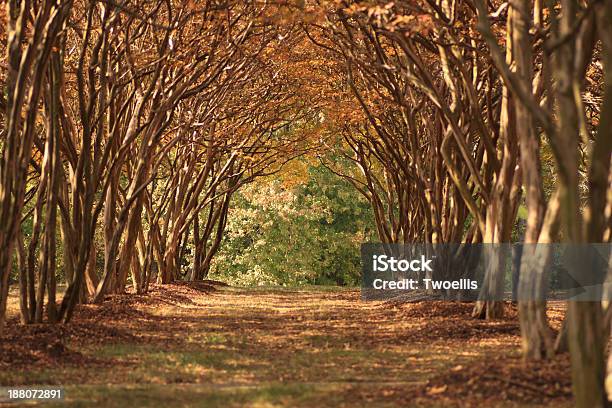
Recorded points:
(205,345)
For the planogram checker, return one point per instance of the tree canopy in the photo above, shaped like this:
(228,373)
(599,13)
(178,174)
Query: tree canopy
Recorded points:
(152,141)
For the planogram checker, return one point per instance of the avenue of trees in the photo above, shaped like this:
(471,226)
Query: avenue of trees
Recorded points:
(128,126)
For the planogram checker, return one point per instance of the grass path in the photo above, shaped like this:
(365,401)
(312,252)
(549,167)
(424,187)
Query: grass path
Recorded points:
(205,346)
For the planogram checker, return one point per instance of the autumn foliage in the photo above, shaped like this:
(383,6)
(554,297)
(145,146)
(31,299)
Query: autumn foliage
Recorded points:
(128,127)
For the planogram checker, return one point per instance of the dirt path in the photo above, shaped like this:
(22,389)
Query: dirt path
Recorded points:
(199,345)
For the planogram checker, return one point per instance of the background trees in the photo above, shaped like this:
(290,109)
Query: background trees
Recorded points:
(307,219)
